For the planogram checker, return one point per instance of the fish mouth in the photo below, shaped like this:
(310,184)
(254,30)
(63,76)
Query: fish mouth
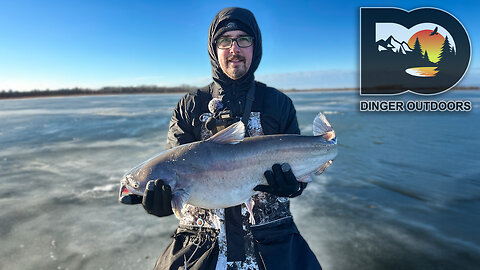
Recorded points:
(126,196)
(129,187)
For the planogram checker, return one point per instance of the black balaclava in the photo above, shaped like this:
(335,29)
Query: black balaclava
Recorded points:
(232,90)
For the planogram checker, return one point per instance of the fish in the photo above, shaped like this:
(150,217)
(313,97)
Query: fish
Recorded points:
(222,171)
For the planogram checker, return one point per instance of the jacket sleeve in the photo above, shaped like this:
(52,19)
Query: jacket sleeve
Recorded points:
(181,129)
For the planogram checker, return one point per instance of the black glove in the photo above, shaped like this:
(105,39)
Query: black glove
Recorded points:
(157,198)
(281,182)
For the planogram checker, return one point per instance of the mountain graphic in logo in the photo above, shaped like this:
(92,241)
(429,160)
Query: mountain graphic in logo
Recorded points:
(393,45)
(401,52)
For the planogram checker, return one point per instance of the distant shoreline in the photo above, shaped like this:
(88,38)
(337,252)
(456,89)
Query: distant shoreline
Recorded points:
(149,90)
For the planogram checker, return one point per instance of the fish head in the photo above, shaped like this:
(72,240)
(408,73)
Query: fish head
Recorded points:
(135,181)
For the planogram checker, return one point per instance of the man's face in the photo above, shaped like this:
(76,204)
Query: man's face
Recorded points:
(235,61)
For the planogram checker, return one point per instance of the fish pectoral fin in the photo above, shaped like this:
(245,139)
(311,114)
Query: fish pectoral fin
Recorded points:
(179,199)
(233,134)
(323,167)
(305,179)
(249,204)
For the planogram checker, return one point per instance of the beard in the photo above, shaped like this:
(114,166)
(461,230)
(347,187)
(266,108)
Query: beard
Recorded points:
(236,70)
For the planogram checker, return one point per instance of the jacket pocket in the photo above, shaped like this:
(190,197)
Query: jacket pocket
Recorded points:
(196,249)
(281,246)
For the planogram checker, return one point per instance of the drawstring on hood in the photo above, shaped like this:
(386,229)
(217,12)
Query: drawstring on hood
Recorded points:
(224,86)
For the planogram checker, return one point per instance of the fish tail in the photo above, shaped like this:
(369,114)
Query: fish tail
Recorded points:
(321,127)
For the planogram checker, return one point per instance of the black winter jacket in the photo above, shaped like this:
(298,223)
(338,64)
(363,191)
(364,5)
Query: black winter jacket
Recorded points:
(224,238)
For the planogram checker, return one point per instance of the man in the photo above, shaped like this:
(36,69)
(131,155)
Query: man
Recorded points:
(226,238)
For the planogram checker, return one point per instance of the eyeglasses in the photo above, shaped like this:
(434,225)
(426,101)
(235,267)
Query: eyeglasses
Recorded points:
(226,43)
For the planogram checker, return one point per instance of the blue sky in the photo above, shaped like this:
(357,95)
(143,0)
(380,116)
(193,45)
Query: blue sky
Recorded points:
(96,43)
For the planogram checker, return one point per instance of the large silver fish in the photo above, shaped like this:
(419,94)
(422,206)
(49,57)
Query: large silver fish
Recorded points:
(222,171)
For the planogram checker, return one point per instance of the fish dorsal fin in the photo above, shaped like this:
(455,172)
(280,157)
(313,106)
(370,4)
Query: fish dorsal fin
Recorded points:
(233,134)
(321,126)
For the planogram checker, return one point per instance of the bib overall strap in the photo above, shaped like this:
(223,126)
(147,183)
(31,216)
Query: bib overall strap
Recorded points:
(248,106)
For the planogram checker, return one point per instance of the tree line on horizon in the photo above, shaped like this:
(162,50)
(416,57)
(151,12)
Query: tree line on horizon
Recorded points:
(109,90)
(143,90)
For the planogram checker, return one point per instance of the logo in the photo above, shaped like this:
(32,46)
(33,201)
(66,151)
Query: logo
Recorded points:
(231,25)
(425,51)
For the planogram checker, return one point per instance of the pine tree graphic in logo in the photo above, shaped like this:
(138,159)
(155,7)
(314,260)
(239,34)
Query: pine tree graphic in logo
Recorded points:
(426,51)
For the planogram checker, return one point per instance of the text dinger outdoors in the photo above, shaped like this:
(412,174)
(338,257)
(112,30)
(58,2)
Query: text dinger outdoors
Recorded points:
(415,106)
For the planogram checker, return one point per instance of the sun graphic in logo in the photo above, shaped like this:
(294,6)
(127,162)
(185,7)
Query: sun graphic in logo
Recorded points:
(430,41)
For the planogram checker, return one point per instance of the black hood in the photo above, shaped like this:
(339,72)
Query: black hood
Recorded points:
(222,81)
